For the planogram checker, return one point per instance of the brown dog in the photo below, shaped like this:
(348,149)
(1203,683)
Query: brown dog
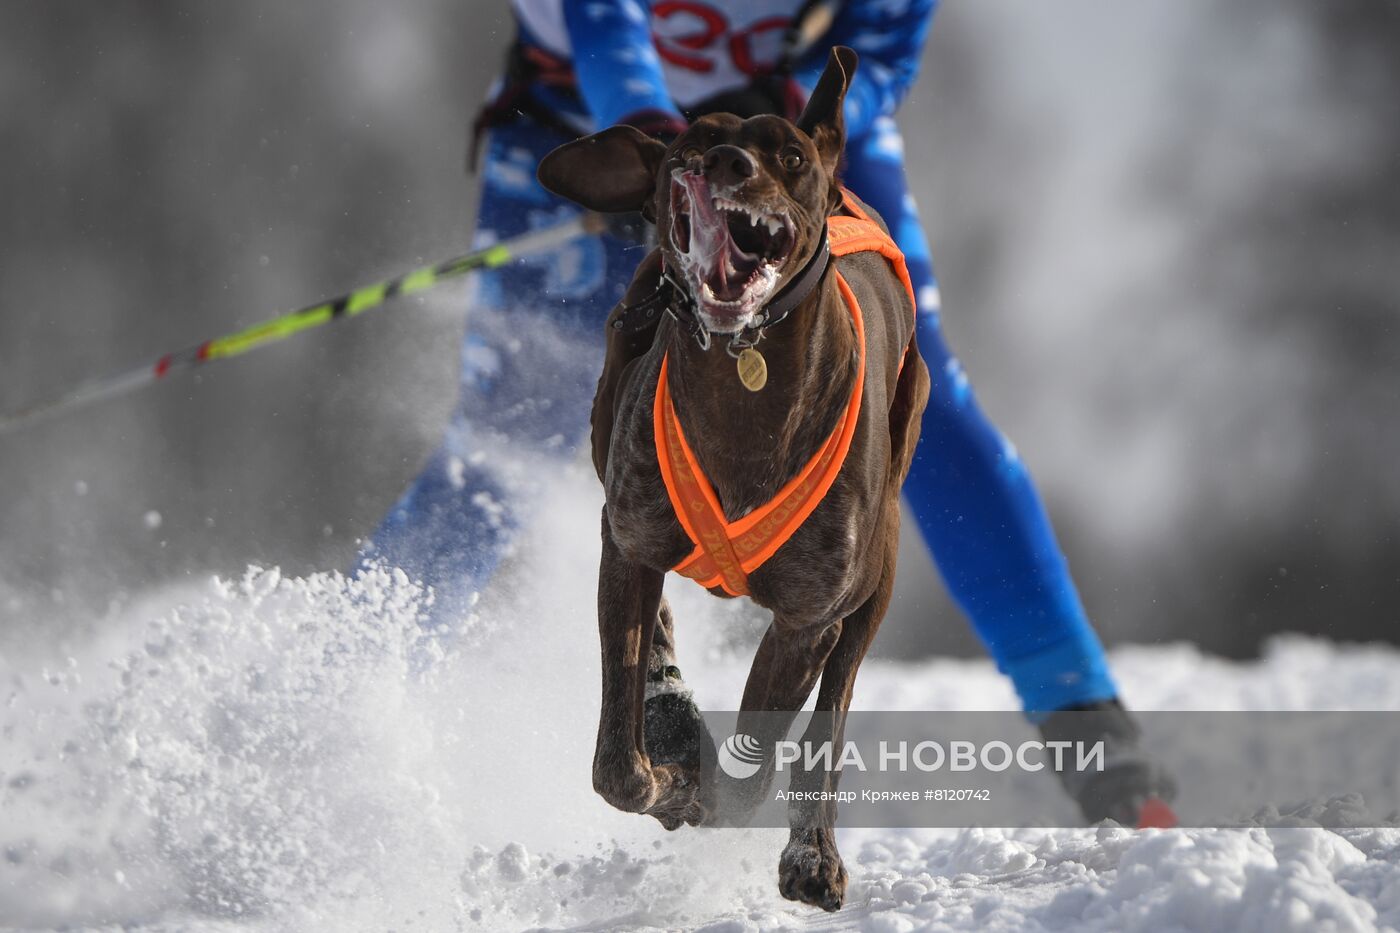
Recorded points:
(741,209)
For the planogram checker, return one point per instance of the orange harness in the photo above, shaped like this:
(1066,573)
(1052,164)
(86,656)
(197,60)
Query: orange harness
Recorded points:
(727,552)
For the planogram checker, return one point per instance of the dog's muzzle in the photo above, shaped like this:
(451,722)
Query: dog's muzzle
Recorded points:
(728,251)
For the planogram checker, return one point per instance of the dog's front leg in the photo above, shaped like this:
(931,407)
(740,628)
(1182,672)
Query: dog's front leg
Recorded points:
(629,596)
(810,868)
(785,669)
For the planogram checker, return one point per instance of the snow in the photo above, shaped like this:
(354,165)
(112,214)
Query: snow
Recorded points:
(274,753)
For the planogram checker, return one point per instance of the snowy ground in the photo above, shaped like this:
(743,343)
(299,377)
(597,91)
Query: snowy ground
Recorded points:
(285,754)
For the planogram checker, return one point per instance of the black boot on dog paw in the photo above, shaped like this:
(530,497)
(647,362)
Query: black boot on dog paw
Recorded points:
(675,731)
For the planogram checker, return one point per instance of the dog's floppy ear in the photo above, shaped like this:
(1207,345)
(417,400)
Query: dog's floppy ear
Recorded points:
(612,171)
(822,118)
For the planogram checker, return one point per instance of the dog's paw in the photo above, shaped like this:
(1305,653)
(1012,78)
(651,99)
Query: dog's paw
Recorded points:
(681,800)
(632,791)
(811,870)
(675,730)
(668,822)
(668,792)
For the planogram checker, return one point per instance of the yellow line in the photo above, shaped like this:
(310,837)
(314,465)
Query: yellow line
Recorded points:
(417,281)
(365,298)
(267,332)
(496,256)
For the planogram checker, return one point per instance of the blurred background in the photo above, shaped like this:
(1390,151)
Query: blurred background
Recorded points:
(1168,236)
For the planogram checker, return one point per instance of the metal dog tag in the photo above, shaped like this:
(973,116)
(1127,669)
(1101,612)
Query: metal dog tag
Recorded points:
(753,369)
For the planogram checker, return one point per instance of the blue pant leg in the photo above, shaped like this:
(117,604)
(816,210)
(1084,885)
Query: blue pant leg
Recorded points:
(530,361)
(971,494)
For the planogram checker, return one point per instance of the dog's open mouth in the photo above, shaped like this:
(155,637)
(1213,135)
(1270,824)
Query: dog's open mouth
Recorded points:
(730,252)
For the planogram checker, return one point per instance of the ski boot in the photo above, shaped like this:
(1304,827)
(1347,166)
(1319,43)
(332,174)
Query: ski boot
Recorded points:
(1132,789)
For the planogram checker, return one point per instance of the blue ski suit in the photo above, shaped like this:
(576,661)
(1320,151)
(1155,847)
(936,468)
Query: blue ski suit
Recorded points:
(534,345)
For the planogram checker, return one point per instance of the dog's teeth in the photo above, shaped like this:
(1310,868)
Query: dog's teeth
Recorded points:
(774,225)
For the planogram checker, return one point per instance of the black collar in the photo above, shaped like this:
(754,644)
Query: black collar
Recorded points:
(672,297)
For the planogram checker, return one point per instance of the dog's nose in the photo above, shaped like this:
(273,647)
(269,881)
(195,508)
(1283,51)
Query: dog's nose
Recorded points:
(729,164)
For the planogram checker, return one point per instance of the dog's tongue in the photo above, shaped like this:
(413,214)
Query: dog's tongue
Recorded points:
(710,243)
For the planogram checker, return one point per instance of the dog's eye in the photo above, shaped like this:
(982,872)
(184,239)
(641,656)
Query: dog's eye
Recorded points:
(792,161)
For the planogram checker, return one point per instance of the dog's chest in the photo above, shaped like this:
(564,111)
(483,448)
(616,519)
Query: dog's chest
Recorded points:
(814,574)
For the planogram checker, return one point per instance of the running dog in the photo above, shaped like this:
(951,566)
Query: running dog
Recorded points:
(753,425)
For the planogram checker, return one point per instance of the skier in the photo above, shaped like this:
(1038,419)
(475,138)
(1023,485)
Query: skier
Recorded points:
(533,345)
